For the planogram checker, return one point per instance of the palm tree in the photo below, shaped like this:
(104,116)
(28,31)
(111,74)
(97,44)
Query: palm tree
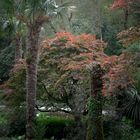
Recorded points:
(129,104)
(17,32)
(33,13)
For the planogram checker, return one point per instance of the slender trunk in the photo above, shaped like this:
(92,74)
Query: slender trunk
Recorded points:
(125,18)
(18,49)
(31,79)
(97,18)
(95,125)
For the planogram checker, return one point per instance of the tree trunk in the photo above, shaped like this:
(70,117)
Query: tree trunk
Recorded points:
(125,18)
(95,125)
(31,79)
(18,49)
(97,18)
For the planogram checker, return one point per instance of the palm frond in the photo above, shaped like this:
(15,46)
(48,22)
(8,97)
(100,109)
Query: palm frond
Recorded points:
(131,105)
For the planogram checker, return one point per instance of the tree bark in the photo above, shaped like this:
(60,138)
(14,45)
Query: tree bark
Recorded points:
(95,125)
(31,79)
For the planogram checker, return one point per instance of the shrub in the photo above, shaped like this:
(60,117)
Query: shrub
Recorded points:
(4,128)
(17,122)
(51,126)
(120,130)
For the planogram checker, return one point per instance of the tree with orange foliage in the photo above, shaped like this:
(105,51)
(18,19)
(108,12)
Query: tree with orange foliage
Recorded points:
(129,6)
(119,4)
(124,75)
(123,4)
(70,55)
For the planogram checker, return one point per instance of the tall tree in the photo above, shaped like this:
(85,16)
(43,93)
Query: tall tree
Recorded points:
(18,30)
(97,20)
(70,55)
(129,7)
(33,14)
(95,124)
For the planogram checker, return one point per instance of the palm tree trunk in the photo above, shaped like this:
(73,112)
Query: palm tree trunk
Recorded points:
(31,79)
(95,125)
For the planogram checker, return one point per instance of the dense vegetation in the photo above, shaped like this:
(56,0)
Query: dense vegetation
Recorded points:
(69,70)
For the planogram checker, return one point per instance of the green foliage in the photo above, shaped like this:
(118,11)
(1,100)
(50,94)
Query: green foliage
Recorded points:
(4,128)
(109,35)
(3,118)
(134,47)
(136,134)
(46,119)
(83,20)
(12,123)
(121,129)
(92,107)
(131,105)
(6,61)
(40,130)
(17,84)
(13,138)
(137,78)
(17,121)
(49,126)
(15,101)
